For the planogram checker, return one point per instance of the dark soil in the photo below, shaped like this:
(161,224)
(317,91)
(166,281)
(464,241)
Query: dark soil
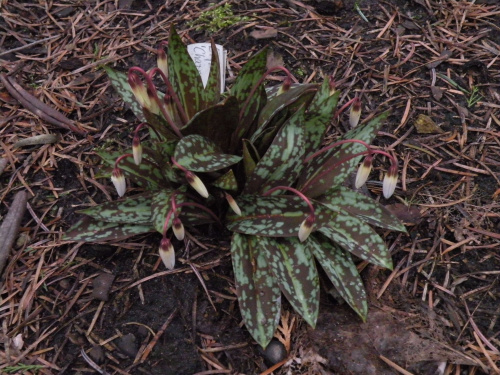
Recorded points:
(432,309)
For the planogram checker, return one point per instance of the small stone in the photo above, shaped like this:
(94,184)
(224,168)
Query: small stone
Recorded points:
(275,352)
(128,345)
(102,286)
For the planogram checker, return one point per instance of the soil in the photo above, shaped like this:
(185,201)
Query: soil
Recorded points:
(436,313)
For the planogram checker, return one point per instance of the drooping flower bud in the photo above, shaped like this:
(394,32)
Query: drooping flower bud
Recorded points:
(232,203)
(139,90)
(196,184)
(137,149)
(118,179)
(167,253)
(153,105)
(390,181)
(285,86)
(331,82)
(355,112)
(306,228)
(178,229)
(162,61)
(364,171)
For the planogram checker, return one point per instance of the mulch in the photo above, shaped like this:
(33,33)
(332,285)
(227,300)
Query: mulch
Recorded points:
(435,63)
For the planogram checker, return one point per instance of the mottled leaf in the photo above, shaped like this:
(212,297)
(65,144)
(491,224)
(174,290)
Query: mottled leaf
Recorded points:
(160,206)
(131,210)
(318,116)
(341,271)
(357,237)
(227,181)
(119,80)
(292,263)
(275,106)
(200,154)
(273,216)
(332,167)
(183,75)
(281,164)
(257,289)
(211,93)
(147,171)
(90,230)
(362,207)
(216,123)
(250,107)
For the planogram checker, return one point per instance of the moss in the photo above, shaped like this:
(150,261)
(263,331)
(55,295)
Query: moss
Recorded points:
(217,19)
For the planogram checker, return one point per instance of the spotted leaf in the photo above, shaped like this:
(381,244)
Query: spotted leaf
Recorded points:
(120,83)
(332,167)
(281,164)
(146,172)
(90,230)
(131,210)
(183,75)
(272,216)
(292,263)
(301,93)
(357,237)
(318,116)
(211,93)
(199,154)
(259,296)
(161,204)
(341,271)
(362,207)
(227,181)
(250,106)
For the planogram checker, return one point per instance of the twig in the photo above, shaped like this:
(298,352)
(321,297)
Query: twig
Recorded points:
(10,226)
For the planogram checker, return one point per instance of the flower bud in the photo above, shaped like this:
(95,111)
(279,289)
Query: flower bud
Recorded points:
(196,184)
(118,179)
(355,112)
(390,181)
(162,61)
(285,86)
(306,228)
(167,253)
(363,172)
(331,83)
(139,90)
(232,203)
(153,105)
(137,149)
(178,229)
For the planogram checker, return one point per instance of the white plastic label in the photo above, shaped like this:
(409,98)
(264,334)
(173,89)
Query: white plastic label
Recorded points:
(201,53)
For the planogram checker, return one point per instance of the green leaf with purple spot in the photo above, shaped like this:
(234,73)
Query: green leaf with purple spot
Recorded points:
(259,295)
(119,80)
(281,164)
(90,230)
(341,271)
(200,154)
(362,207)
(131,210)
(359,238)
(292,263)
(161,204)
(332,167)
(183,75)
(272,216)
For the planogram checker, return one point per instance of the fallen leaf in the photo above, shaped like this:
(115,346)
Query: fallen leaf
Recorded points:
(437,92)
(408,215)
(425,125)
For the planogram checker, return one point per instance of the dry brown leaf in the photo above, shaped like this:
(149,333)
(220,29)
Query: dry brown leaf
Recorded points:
(425,125)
